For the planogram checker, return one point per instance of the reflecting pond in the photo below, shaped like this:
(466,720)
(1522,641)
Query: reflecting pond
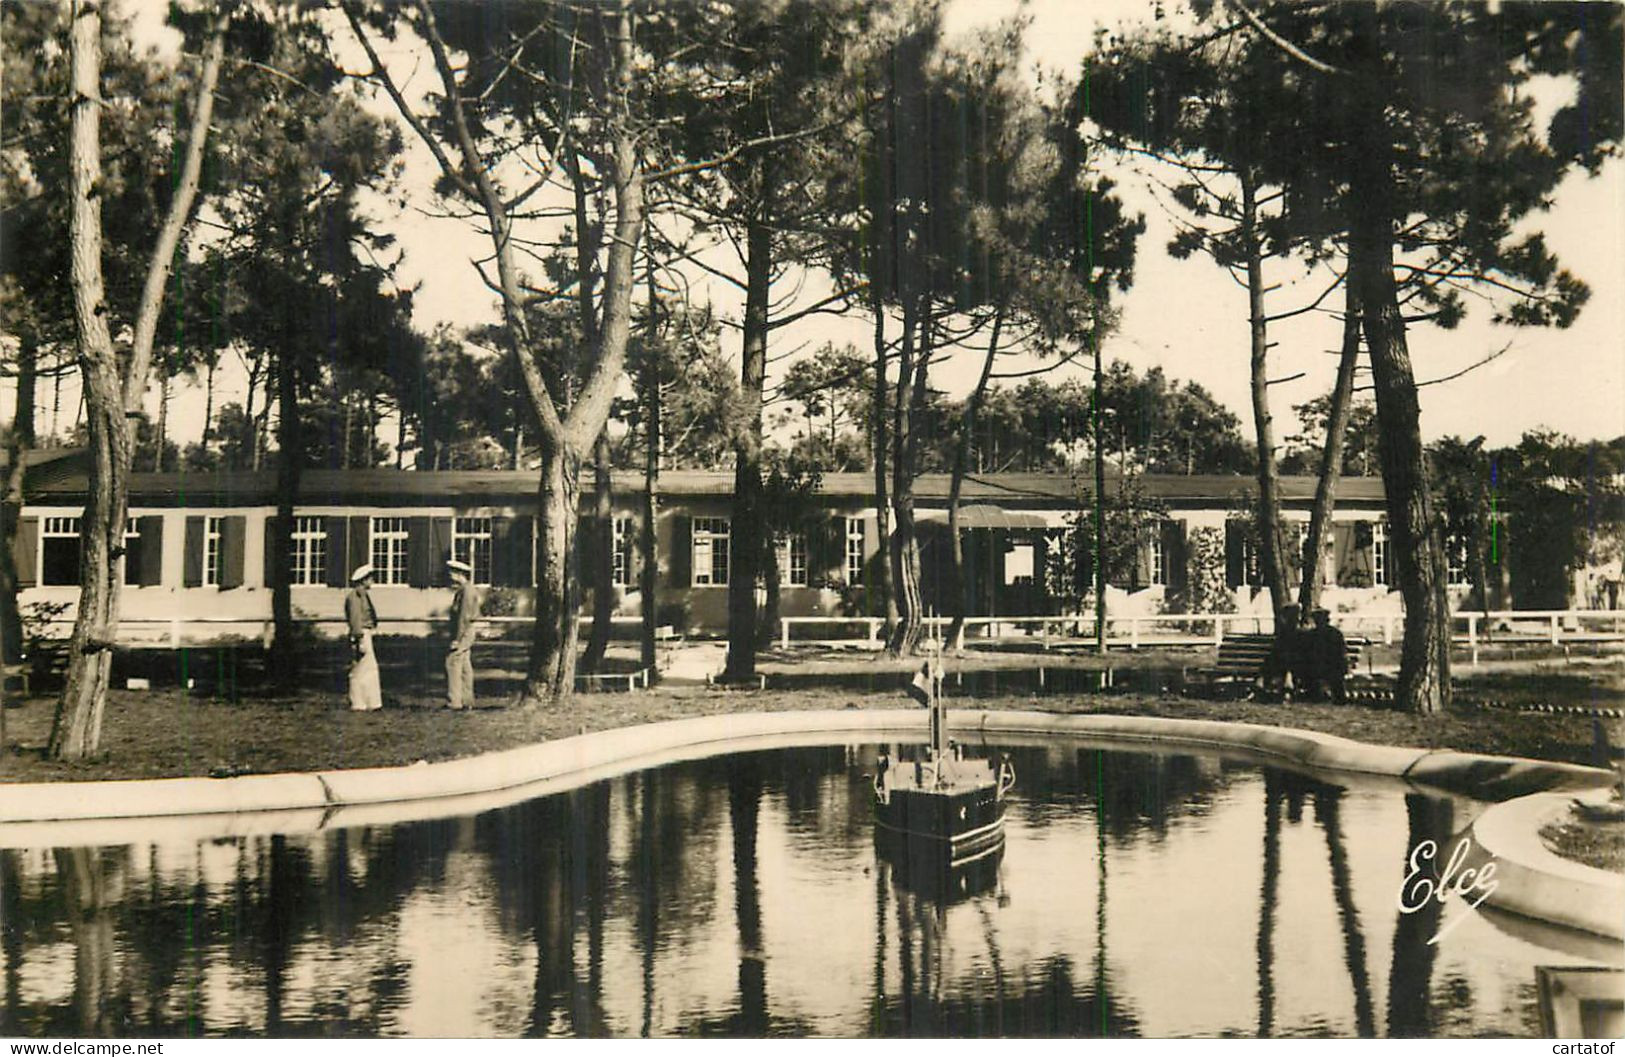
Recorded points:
(1139,894)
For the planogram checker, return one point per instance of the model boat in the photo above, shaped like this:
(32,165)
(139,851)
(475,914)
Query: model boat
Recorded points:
(941,810)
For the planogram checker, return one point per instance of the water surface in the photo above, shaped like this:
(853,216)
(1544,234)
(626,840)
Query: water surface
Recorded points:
(1139,894)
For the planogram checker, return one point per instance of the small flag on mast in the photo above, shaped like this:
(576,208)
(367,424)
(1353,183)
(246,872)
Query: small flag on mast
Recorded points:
(919,688)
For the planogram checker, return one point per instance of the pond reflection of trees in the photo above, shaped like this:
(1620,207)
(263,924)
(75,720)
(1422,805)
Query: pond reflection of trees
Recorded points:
(291,936)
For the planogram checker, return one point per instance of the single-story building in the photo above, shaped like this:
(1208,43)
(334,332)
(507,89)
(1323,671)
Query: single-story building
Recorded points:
(197,543)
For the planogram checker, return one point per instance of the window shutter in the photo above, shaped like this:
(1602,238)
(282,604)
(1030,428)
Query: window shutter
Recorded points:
(1040,541)
(26,552)
(1142,556)
(511,554)
(682,552)
(419,562)
(151,550)
(1173,554)
(588,548)
(1343,554)
(192,573)
(440,549)
(338,552)
(233,531)
(271,524)
(631,542)
(359,542)
(1234,572)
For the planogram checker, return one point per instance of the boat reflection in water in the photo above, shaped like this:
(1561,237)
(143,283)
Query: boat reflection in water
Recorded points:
(939,816)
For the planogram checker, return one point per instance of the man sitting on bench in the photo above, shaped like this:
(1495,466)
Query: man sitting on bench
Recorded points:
(1287,657)
(1328,659)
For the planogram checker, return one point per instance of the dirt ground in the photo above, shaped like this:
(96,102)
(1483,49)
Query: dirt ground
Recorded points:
(230,721)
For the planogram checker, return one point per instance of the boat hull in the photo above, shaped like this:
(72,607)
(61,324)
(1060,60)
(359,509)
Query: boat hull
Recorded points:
(960,825)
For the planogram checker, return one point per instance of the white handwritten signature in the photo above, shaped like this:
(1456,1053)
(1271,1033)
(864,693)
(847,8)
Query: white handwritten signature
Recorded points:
(1421,885)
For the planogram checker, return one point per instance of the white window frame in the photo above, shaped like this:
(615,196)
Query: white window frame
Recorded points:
(1456,566)
(59,526)
(704,568)
(468,532)
(1379,553)
(1022,579)
(854,551)
(132,540)
(211,550)
(794,560)
(308,551)
(1251,574)
(389,561)
(1159,557)
(621,560)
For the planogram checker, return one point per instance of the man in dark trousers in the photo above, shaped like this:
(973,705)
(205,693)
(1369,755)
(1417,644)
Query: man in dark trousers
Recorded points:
(465,612)
(1285,656)
(1328,658)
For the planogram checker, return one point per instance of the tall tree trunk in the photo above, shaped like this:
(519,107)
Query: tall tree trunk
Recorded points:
(1271,561)
(290,453)
(1418,556)
(1098,522)
(1331,459)
(747,531)
(552,652)
(772,586)
(603,571)
(958,586)
(913,367)
(76,730)
(248,412)
(163,425)
(18,443)
(112,392)
(208,399)
(348,433)
(649,573)
(883,526)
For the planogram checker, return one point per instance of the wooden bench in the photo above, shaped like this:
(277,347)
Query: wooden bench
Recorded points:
(1242,657)
(21,672)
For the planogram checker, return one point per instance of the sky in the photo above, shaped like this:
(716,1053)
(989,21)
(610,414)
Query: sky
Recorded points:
(1187,317)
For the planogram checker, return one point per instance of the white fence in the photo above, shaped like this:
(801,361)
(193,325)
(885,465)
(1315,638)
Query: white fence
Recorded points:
(1555,626)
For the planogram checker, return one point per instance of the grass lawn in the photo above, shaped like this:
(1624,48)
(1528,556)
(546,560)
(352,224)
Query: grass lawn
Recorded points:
(1598,844)
(229,724)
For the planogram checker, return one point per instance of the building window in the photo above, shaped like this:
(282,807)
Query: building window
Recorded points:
(1455,556)
(710,552)
(621,574)
(309,552)
(389,550)
(59,551)
(132,551)
(1249,563)
(211,552)
(793,563)
(1019,565)
(854,551)
(1159,557)
(1379,554)
(471,543)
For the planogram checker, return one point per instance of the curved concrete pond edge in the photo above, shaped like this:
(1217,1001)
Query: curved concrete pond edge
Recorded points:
(590,757)
(1532,881)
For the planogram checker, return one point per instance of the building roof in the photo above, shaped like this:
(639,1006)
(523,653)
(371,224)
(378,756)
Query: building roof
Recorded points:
(388,487)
